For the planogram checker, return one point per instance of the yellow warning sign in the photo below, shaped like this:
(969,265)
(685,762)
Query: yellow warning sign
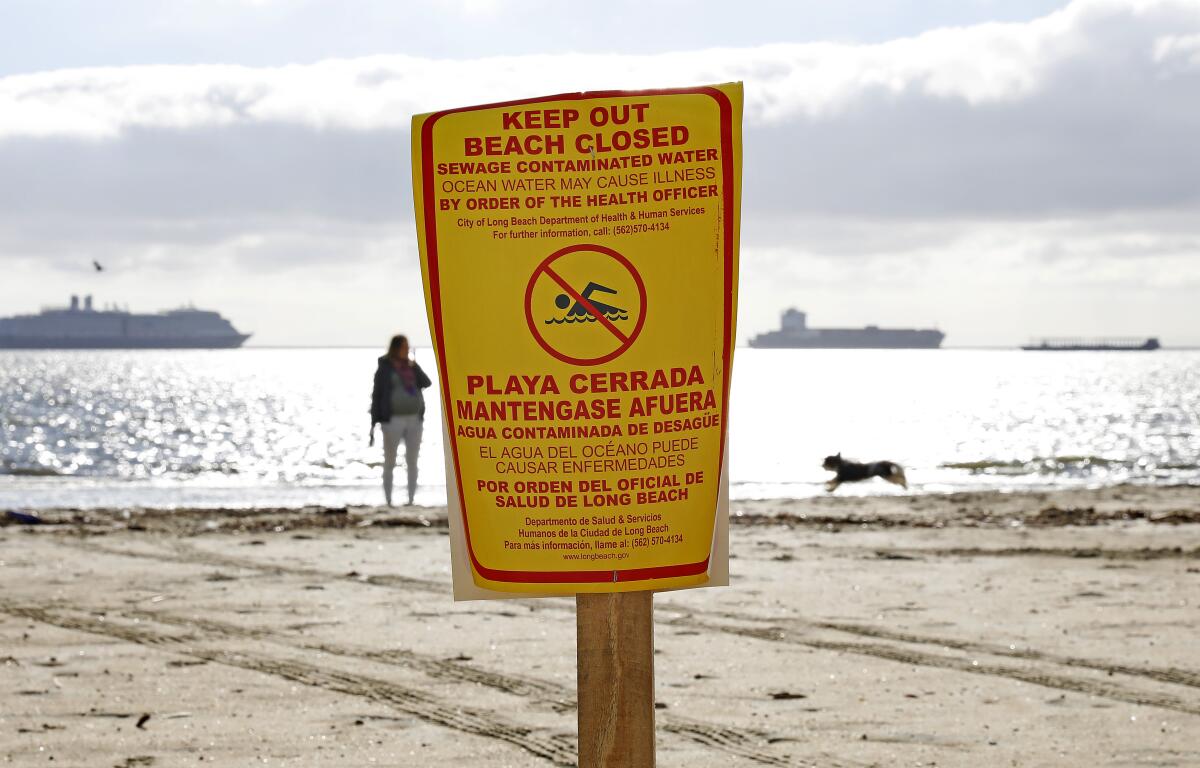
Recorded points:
(579,254)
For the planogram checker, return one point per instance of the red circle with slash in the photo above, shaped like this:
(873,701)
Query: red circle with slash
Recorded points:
(545,270)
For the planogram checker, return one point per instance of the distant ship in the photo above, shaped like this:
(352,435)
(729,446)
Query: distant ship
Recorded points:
(1094,345)
(83,327)
(795,334)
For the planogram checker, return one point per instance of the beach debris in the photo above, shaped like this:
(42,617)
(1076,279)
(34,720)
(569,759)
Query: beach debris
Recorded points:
(788,695)
(22,518)
(883,554)
(660,705)
(141,723)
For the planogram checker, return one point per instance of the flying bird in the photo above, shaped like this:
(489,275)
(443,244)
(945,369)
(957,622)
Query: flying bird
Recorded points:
(97,265)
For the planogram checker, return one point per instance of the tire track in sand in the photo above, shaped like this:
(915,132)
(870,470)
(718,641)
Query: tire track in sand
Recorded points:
(559,698)
(1063,682)
(555,747)
(1173,675)
(800,633)
(1078,553)
(732,741)
(184,553)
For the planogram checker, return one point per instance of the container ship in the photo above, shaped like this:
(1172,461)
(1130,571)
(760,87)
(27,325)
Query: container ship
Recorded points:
(1094,345)
(80,326)
(794,333)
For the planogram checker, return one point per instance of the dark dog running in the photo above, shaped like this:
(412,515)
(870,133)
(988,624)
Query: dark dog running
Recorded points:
(853,471)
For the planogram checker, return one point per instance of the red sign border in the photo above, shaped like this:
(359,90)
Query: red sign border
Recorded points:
(431,250)
(626,343)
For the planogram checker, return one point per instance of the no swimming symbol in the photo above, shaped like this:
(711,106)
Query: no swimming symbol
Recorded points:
(585,304)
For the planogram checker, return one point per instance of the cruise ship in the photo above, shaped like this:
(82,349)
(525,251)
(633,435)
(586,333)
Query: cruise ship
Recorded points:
(81,326)
(794,333)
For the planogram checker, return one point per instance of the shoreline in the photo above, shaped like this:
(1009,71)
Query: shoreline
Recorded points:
(1047,628)
(1153,504)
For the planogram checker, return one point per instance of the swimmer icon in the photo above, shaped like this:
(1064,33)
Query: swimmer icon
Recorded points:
(580,313)
(591,325)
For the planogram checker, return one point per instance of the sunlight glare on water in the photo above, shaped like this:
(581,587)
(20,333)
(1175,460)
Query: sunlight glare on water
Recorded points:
(964,418)
(288,427)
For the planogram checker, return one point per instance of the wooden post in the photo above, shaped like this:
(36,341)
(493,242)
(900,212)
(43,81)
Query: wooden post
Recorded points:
(615,656)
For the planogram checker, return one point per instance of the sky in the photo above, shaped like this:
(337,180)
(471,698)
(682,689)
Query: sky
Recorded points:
(1000,170)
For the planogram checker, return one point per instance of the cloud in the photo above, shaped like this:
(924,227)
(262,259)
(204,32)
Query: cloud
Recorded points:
(976,66)
(270,170)
(1047,145)
(1090,108)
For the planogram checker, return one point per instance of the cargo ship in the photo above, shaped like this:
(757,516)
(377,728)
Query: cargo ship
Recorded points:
(794,333)
(1094,345)
(81,326)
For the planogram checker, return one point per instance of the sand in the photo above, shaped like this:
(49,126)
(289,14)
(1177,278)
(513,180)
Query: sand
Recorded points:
(1024,629)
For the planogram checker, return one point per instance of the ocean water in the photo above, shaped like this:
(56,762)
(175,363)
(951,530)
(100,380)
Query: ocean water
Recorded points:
(288,427)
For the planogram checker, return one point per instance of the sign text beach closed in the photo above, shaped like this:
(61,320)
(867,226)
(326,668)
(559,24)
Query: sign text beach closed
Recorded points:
(580,257)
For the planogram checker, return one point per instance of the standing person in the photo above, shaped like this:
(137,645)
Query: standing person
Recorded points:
(398,406)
